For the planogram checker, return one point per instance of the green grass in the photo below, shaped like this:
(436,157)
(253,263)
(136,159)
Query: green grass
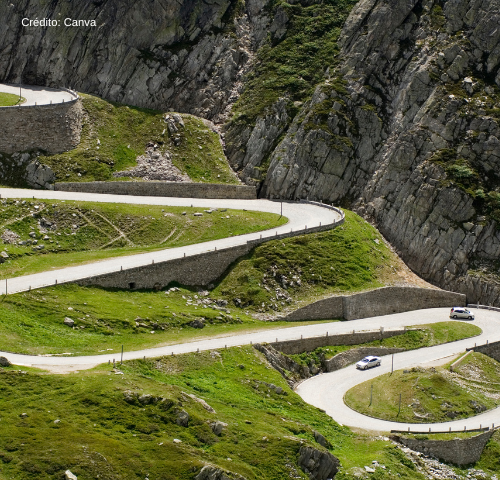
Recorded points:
(73,233)
(349,258)
(421,336)
(292,66)
(114,135)
(117,438)
(430,395)
(32,322)
(9,99)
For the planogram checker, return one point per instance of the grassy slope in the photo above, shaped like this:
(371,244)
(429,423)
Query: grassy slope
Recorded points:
(422,336)
(433,393)
(124,132)
(118,440)
(293,66)
(352,257)
(108,230)
(32,321)
(8,99)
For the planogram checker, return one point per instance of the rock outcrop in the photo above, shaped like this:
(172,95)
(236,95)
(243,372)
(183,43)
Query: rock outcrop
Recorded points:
(189,56)
(208,472)
(318,464)
(406,132)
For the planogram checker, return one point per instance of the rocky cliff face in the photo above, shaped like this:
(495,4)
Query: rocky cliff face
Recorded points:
(406,131)
(188,56)
(403,125)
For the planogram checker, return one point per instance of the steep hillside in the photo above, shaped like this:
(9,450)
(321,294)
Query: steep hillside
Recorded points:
(406,131)
(391,109)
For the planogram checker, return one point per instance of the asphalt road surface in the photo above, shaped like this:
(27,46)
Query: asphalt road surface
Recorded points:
(38,95)
(301,216)
(326,391)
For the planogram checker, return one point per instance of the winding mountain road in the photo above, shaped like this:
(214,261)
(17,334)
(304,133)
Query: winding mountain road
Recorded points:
(38,95)
(326,391)
(301,218)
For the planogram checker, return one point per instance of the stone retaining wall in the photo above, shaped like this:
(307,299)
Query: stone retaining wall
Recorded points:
(458,451)
(349,357)
(198,270)
(52,128)
(381,301)
(194,270)
(295,347)
(490,349)
(162,189)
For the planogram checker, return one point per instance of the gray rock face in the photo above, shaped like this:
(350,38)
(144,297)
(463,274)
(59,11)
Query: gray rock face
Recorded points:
(258,142)
(319,465)
(40,176)
(412,120)
(4,362)
(209,472)
(189,56)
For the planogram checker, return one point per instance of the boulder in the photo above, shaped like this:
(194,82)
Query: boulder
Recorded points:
(321,440)
(69,322)
(319,465)
(209,472)
(70,476)
(4,362)
(217,427)
(182,418)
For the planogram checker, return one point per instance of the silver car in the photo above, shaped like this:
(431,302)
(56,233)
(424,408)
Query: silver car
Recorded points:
(369,362)
(461,312)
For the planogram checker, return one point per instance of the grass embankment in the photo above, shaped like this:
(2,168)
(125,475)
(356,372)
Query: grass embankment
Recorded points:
(432,394)
(9,99)
(114,135)
(65,233)
(31,322)
(293,271)
(421,336)
(117,435)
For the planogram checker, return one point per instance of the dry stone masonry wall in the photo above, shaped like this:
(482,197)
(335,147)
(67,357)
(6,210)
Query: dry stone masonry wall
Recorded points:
(458,451)
(49,128)
(381,301)
(295,347)
(162,189)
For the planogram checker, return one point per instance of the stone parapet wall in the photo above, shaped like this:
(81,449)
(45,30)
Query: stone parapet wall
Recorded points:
(295,347)
(162,189)
(490,349)
(195,270)
(458,451)
(51,129)
(384,301)
(381,301)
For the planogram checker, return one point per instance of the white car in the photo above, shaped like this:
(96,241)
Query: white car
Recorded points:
(461,312)
(369,362)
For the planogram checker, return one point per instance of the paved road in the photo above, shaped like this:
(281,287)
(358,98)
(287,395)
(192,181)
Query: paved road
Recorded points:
(390,322)
(327,391)
(38,95)
(300,216)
